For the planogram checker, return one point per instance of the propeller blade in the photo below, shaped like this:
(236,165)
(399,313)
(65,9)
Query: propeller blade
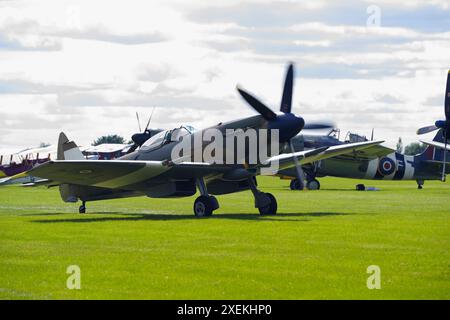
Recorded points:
(319,125)
(447,98)
(445,157)
(149,119)
(286,100)
(427,129)
(139,122)
(298,167)
(260,107)
(371,136)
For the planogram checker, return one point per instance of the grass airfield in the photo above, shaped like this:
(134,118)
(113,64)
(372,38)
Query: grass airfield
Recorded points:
(317,247)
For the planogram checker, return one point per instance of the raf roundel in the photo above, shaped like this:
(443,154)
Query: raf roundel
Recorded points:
(386,166)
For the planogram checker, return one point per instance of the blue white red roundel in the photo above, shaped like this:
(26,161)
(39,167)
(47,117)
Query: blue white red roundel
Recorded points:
(386,166)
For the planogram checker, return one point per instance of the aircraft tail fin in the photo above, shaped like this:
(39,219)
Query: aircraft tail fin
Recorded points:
(433,153)
(68,150)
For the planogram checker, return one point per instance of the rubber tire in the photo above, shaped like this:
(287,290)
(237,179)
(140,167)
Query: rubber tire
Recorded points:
(295,184)
(82,209)
(203,206)
(271,209)
(310,185)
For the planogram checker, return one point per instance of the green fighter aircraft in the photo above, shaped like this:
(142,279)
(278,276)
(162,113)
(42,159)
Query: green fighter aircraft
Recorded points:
(377,162)
(177,162)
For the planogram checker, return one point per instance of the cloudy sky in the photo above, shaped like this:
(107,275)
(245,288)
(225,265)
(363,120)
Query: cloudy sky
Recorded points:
(86,67)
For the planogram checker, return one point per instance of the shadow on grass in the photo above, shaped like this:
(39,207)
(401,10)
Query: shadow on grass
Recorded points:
(353,190)
(282,217)
(42,214)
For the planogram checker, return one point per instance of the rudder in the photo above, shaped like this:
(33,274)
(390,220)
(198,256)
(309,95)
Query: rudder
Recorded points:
(68,150)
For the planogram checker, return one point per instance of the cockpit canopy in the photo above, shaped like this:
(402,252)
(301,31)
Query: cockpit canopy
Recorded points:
(167,136)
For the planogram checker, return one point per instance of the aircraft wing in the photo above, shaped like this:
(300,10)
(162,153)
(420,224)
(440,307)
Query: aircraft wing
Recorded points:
(436,144)
(372,152)
(115,174)
(286,160)
(99,173)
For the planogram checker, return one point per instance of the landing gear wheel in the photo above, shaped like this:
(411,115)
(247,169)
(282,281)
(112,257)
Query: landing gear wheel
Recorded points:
(271,208)
(295,184)
(205,205)
(313,185)
(82,209)
(420,184)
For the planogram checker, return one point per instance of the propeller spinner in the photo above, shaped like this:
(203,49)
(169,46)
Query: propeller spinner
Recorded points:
(288,124)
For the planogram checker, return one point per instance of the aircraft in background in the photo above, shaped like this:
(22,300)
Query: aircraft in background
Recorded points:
(13,165)
(142,136)
(151,171)
(444,131)
(377,162)
(24,160)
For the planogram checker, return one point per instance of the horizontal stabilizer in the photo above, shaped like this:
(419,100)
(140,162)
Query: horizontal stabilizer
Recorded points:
(436,144)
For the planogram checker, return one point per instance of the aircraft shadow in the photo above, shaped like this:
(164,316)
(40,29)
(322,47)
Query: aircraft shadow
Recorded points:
(281,217)
(41,214)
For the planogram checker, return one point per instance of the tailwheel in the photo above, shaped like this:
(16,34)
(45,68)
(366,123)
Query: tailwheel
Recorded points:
(313,184)
(205,205)
(271,207)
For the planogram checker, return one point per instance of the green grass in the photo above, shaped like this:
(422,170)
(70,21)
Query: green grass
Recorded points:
(317,247)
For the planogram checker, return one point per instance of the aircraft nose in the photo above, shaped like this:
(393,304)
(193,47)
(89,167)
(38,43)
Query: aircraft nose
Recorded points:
(289,125)
(441,124)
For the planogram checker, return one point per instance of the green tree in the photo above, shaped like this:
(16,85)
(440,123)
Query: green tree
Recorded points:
(415,148)
(399,145)
(112,138)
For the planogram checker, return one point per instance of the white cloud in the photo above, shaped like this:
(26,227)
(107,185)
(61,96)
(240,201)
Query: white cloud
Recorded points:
(85,67)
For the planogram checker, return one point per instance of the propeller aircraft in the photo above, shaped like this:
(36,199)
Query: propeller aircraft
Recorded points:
(377,162)
(153,171)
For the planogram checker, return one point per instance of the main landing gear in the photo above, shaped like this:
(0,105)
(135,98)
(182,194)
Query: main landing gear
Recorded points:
(82,208)
(420,184)
(265,202)
(205,204)
(313,184)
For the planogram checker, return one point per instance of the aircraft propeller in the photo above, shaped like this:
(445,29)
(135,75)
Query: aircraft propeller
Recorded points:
(442,124)
(139,121)
(288,124)
(142,136)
